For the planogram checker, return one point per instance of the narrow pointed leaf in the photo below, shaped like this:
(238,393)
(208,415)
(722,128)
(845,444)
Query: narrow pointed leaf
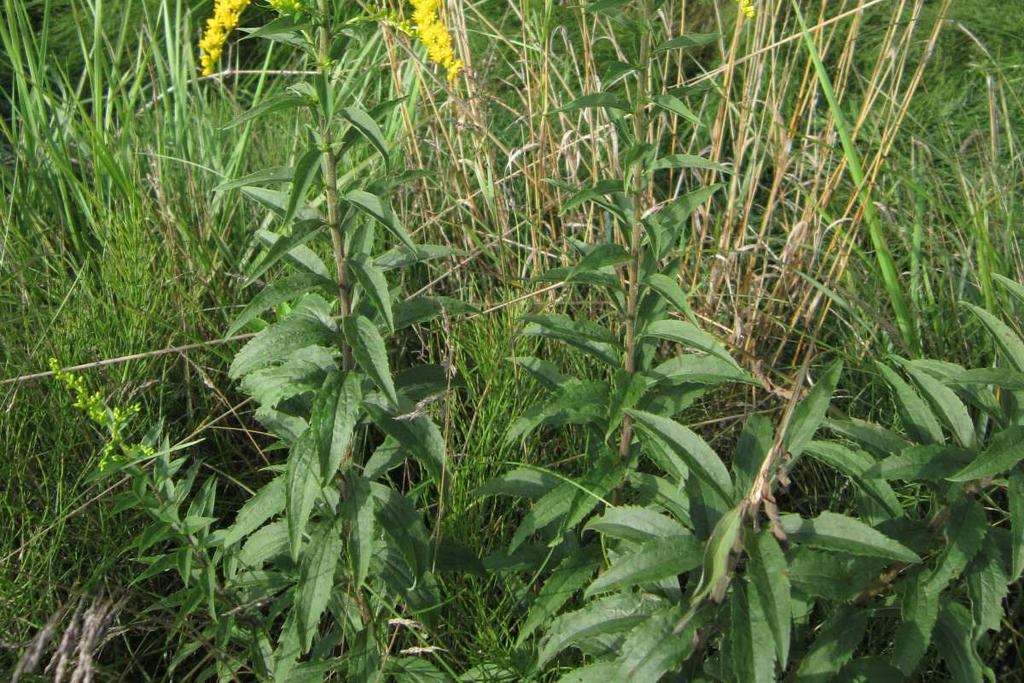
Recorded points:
(266,503)
(769,576)
(569,577)
(809,413)
(303,479)
(370,352)
(306,171)
(651,562)
(335,415)
(375,286)
(690,447)
(917,416)
(831,531)
(1005,338)
(316,579)
(373,206)
(1004,451)
(689,335)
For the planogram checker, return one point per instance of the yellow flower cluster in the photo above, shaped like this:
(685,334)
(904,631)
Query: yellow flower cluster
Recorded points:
(95,407)
(286,6)
(747,7)
(223,22)
(435,36)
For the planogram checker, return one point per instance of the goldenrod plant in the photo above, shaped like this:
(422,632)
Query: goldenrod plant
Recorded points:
(323,561)
(662,560)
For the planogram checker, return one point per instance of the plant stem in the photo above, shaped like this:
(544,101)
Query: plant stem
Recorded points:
(331,175)
(636,234)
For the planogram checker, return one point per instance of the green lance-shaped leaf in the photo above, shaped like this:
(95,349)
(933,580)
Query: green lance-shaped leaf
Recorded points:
(303,479)
(697,454)
(768,572)
(674,161)
(601,256)
(599,672)
(587,336)
(334,418)
(316,579)
(689,335)
(955,644)
(399,257)
(358,511)
(809,413)
(271,105)
(657,559)
(402,522)
(301,372)
(365,124)
(375,286)
(674,105)
(307,325)
(688,41)
(628,389)
(289,648)
(614,614)
(418,435)
(522,482)
(1015,494)
(1005,338)
(570,576)
(715,576)
(877,439)
(370,353)
(750,648)
(306,171)
(291,247)
(855,464)
(1004,451)
(671,292)
(917,416)
(278,201)
(987,586)
(638,524)
(919,610)
(263,505)
(276,293)
(944,402)
(834,645)
(266,176)
(831,531)
(264,544)
(543,371)
(930,463)
(373,206)
(571,501)
(965,532)
(652,649)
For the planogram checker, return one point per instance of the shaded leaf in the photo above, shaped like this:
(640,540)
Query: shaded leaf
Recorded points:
(370,353)
(316,579)
(700,458)
(652,561)
(809,413)
(831,531)
(1004,451)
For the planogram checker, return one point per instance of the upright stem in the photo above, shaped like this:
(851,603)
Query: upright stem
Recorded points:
(636,234)
(331,175)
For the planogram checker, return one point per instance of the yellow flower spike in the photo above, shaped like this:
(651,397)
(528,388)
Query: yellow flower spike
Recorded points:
(434,35)
(747,7)
(225,18)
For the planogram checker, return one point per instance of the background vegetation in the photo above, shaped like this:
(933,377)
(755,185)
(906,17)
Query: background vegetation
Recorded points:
(113,242)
